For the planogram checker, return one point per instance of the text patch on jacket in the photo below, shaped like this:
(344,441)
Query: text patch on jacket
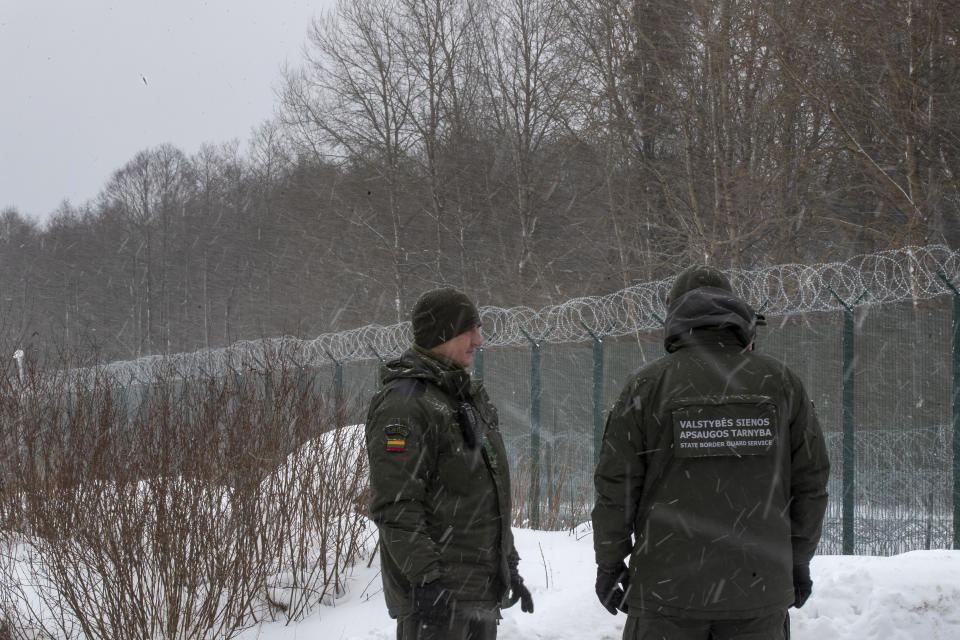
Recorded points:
(742,428)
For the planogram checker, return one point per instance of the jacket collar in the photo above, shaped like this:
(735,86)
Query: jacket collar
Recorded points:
(418,362)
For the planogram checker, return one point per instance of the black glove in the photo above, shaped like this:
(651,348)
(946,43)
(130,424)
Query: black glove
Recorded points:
(431,602)
(613,583)
(802,584)
(518,592)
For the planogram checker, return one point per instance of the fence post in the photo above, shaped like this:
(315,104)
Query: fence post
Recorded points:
(337,383)
(478,363)
(535,395)
(267,387)
(956,419)
(376,370)
(301,393)
(238,378)
(597,393)
(301,378)
(18,356)
(548,459)
(955,324)
(268,394)
(849,457)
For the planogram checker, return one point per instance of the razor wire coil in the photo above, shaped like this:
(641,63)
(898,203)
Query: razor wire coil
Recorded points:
(871,279)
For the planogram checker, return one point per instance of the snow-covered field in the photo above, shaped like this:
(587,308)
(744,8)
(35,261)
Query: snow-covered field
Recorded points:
(914,596)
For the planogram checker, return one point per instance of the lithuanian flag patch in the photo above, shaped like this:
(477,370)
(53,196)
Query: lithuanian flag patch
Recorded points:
(397,437)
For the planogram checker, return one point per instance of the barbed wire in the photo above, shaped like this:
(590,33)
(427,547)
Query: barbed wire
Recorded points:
(871,279)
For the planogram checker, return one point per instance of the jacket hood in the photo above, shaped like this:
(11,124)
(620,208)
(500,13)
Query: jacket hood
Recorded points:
(708,310)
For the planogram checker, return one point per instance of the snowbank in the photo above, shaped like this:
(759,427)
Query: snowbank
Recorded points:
(910,596)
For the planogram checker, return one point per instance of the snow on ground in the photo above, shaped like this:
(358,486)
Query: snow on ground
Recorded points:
(907,597)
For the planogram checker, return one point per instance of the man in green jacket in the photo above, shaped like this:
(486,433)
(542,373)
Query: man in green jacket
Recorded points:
(712,479)
(439,483)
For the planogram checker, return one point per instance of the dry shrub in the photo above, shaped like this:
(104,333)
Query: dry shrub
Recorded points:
(314,521)
(177,509)
(563,499)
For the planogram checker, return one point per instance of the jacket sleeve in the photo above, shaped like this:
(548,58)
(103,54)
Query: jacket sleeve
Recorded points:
(618,479)
(809,472)
(513,556)
(401,453)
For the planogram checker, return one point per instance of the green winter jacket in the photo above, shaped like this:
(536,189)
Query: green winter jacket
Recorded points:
(439,488)
(713,471)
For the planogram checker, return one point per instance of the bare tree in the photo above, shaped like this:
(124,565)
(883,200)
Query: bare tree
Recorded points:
(621,101)
(878,70)
(19,258)
(351,99)
(439,51)
(528,83)
(143,195)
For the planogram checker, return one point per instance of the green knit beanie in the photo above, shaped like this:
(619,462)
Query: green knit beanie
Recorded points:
(442,314)
(696,276)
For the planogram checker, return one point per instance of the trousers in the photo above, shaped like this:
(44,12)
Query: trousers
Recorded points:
(652,626)
(457,627)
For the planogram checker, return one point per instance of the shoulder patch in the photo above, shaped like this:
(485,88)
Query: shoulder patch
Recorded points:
(396,435)
(397,430)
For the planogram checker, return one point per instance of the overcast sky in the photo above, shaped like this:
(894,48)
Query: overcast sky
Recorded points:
(86,84)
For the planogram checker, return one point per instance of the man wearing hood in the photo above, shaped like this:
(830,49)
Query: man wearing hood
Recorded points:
(439,483)
(711,478)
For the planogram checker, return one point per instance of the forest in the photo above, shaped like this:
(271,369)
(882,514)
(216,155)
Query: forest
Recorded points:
(526,151)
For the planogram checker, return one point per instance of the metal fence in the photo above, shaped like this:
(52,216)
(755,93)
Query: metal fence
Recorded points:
(876,340)
(886,407)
